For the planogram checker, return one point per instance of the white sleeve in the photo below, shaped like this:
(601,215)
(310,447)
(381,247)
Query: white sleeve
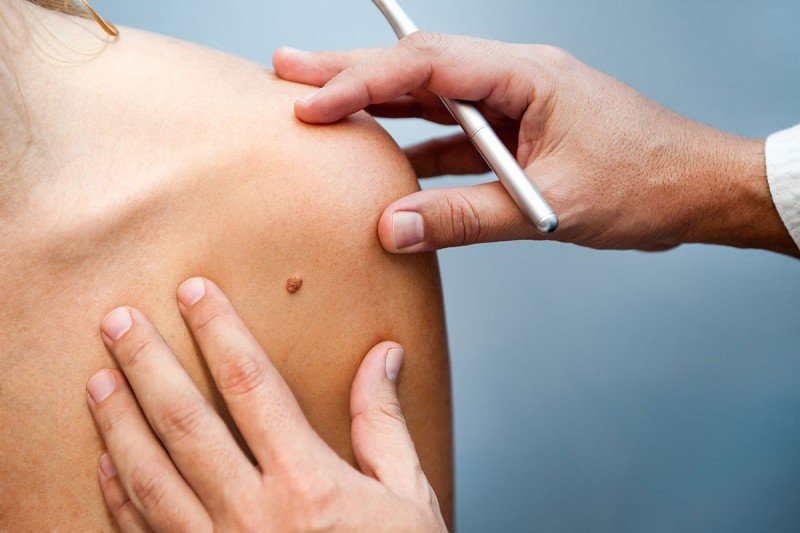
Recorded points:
(783,174)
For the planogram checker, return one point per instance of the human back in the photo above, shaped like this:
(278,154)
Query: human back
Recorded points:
(153,161)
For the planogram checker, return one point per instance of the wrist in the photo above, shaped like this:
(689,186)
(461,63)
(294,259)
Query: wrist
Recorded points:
(734,206)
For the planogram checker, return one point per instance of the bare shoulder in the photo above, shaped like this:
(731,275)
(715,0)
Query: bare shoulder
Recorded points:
(212,109)
(305,203)
(191,162)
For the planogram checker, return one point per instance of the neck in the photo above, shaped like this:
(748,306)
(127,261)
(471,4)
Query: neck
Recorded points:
(35,46)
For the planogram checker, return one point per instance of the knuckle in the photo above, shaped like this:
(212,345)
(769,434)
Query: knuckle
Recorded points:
(391,410)
(346,59)
(108,417)
(122,506)
(302,487)
(551,54)
(384,416)
(353,75)
(348,72)
(418,487)
(208,313)
(135,348)
(181,420)
(240,375)
(314,489)
(426,42)
(244,514)
(313,494)
(247,522)
(358,78)
(148,487)
(460,219)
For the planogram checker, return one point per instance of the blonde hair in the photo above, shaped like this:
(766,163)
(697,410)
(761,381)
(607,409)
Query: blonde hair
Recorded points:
(65,6)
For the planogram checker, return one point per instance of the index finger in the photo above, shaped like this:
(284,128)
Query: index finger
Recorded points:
(259,400)
(456,67)
(196,438)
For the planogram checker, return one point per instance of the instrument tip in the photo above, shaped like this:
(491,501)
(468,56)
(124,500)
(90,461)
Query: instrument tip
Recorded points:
(547,224)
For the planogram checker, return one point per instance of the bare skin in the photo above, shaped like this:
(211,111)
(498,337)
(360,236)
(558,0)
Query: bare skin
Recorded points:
(621,171)
(151,162)
(204,482)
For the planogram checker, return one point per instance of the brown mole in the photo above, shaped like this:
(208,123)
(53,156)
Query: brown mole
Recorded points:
(294,283)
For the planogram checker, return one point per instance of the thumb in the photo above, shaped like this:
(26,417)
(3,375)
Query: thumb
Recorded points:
(381,442)
(441,218)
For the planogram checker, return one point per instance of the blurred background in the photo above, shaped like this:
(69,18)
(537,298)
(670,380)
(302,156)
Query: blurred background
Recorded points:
(599,391)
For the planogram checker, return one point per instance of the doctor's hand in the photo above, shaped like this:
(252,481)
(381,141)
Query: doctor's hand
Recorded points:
(619,170)
(172,464)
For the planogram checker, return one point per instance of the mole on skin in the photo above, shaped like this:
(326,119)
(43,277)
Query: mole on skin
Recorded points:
(294,283)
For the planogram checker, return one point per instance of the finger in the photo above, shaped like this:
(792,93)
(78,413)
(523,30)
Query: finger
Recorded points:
(261,403)
(441,218)
(452,66)
(419,104)
(196,438)
(125,514)
(146,472)
(422,103)
(401,107)
(446,155)
(381,442)
(454,155)
(313,68)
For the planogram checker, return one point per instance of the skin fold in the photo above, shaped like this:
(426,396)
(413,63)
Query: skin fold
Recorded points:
(149,161)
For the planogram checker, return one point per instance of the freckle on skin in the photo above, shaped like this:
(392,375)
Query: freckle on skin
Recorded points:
(294,283)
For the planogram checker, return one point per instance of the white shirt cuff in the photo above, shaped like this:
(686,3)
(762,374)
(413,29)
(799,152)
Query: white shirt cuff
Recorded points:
(783,174)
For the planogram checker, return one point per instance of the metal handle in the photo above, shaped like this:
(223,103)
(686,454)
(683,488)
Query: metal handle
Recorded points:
(486,141)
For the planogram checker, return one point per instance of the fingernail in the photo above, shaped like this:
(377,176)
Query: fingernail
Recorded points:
(394,360)
(191,290)
(310,96)
(408,229)
(107,466)
(117,322)
(290,50)
(101,385)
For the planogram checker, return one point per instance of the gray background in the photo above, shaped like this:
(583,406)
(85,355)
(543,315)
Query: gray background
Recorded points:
(600,391)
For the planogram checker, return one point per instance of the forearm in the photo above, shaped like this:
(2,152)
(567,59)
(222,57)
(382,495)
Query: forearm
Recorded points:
(733,204)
